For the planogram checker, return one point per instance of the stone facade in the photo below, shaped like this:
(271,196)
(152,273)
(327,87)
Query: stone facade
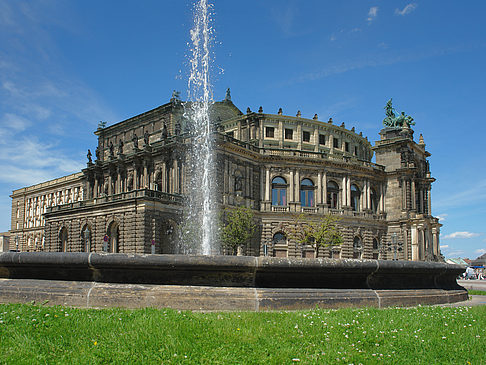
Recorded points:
(130,199)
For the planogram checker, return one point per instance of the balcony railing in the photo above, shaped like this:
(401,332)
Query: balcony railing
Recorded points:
(287,152)
(280,208)
(140,193)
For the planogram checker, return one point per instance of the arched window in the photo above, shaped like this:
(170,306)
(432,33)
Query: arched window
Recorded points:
(113,234)
(355,196)
(307,193)
(86,238)
(158,181)
(357,248)
(279,238)
(375,249)
(63,239)
(280,245)
(279,191)
(373,201)
(332,194)
(238,186)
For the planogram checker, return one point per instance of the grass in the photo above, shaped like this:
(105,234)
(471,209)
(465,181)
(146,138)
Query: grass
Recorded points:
(435,335)
(476,292)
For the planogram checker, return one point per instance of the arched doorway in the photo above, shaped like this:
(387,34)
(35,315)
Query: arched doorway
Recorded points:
(63,239)
(113,234)
(86,238)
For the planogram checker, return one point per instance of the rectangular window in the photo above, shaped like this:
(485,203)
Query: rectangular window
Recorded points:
(346,146)
(336,143)
(322,139)
(356,150)
(269,132)
(306,136)
(231,134)
(289,133)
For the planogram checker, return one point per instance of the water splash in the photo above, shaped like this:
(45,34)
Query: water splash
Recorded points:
(199,227)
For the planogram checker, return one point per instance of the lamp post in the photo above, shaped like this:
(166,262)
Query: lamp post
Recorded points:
(86,240)
(395,246)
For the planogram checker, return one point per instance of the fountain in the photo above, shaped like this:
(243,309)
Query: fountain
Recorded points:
(212,282)
(198,226)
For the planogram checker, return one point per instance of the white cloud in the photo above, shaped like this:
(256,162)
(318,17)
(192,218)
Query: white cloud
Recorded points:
(480,251)
(442,217)
(406,10)
(456,253)
(443,247)
(461,235)
(372,13)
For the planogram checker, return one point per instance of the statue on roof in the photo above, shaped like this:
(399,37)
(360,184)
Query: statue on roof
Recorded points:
(392,121)
(176,96)
(228,95)
(89,157)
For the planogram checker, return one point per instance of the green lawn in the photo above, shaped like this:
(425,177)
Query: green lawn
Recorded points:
(476,292)
(41,334)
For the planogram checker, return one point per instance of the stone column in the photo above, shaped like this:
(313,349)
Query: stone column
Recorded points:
(262,183)
(95,190)
(429,203)
(291,187)
(319,188)
(297,186)
(435,241)
(324,188)
(412,195)
(368,194)
(348,191)
(421,195)
(344,192)
(267,184)
(164,178)
(135,173)
(176,176)
(415,244)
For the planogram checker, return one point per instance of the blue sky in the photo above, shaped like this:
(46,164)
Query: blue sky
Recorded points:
(66,65)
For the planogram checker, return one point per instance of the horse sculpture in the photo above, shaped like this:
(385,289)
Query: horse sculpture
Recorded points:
(392,121)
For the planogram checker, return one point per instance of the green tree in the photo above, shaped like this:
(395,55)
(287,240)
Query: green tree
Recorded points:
(320,234)
(238,227)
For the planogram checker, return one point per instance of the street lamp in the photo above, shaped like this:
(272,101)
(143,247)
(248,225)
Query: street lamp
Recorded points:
(395,246)
(86,240)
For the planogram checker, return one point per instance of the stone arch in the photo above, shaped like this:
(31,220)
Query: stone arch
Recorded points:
(333,190)
(158,180)
(86,235)
(355,197)
(357,247)
(279,190)
(63,236)
(113,233)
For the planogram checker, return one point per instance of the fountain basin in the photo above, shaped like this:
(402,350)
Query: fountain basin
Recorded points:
(222,282)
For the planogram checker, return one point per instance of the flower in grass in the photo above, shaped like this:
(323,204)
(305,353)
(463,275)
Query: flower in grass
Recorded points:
(95,343)
(295,359)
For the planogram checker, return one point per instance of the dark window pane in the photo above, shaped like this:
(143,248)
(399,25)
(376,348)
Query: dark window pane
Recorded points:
(336,143)
(269,132)
(289,133)
(322,139)
(306,136)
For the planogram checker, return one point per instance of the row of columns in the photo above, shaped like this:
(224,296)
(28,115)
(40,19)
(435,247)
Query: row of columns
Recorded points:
(410,193)
(321,190)
(424,239)
(170,181)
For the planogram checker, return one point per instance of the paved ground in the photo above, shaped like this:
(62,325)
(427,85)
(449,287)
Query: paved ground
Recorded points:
(475,299)
(473,284)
